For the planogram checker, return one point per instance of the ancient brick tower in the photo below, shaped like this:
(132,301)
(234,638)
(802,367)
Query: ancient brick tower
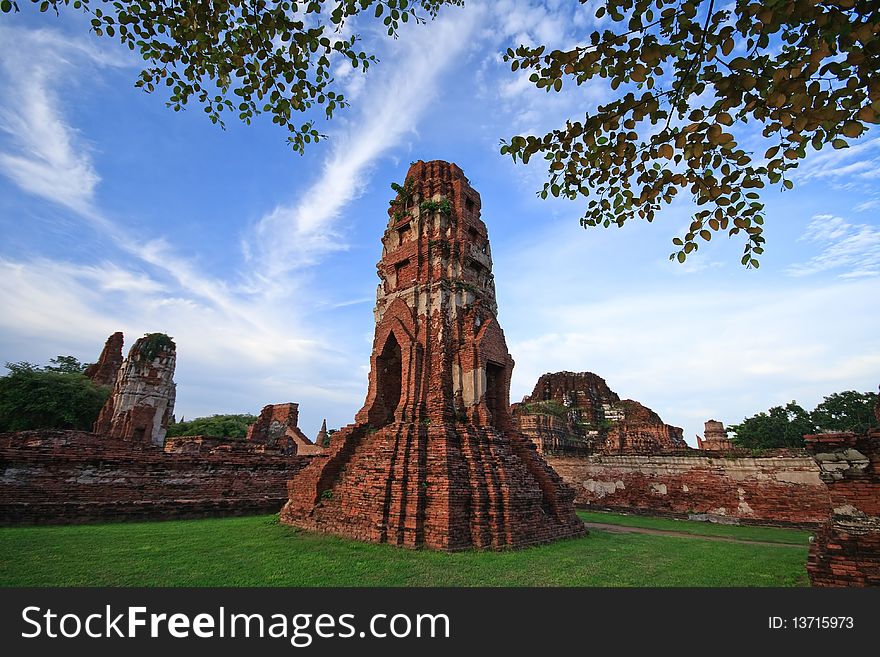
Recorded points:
(103,373)
(433,458)
(143,396)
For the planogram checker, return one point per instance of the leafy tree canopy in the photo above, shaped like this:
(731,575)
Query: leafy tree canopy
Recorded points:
(229,426)
(846,411)
(690,76)
(786,426)
(65,364)
(243,57)
(57,396)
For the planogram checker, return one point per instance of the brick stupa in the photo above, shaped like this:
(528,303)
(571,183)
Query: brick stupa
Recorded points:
(433,458)
(142,401)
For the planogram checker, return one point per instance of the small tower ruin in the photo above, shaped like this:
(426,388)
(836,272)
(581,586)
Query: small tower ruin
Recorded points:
(715,437)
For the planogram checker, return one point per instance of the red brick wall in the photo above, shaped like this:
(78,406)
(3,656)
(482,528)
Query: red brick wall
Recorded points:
(846,551)
(71,477)
(783,489)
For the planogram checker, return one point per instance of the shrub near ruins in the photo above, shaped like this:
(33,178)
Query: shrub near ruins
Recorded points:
(227,426)
(57,396)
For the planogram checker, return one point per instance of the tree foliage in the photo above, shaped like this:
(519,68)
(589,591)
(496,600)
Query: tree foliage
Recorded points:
(846,411)
(246,57)
(58,396)
(229,426)
(786,426)
(689,77)
(65,364)
(778,427)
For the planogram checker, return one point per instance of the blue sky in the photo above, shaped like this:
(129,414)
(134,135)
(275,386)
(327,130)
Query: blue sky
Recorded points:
(119,214)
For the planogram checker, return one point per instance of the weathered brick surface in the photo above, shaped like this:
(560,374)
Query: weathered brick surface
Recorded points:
(780,489)
(277,428)
(72,477)
(103,372)
(576,413)
(142,401)
(433,458)
(846,551)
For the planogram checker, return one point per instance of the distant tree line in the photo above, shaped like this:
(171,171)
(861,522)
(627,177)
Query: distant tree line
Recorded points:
(56,396)
(228,426)
(785,426)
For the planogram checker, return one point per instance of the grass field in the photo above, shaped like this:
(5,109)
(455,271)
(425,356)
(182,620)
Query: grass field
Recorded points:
(746,532)
(257,551)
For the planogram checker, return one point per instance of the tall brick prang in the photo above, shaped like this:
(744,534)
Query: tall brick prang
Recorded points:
(103,373)
(433,458)
(142,401)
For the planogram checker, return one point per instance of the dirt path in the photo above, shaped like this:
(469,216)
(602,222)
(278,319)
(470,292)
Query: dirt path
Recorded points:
(622,529)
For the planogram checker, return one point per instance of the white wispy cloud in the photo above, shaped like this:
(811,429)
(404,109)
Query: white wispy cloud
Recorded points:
(871,204)
(301,234)
(45,156)
(852,249)
(708,353)
(223,362)
(859,162)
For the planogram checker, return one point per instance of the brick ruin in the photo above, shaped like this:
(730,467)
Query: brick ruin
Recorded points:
(122,471)
(846,550)
(61,477)
(142,401)
(434,458)
(104,372)
(577,414)
(322,436)
(780,488)
(715,438)
(277,428)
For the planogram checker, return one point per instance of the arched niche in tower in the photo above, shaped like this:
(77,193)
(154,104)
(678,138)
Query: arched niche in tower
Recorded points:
(389,379)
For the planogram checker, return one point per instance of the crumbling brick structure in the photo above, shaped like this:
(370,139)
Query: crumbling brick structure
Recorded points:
(63,477)
(715,437)
(575,414)
(278,428)
(323,435)
(781,487)
(104,372)
(142,401)
(434,458)
(846,550)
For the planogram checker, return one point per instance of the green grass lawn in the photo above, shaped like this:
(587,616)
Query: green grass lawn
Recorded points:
(746,532)
(257,551)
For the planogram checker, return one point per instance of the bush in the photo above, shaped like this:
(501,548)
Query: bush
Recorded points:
(48,398)
(548,407)
(228,426)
